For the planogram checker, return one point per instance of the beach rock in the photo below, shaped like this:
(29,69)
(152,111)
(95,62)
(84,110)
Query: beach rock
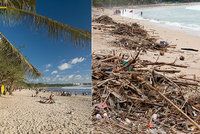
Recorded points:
(182,58)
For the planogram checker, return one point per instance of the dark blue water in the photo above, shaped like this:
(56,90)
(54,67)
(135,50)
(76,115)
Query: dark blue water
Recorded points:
(71,91)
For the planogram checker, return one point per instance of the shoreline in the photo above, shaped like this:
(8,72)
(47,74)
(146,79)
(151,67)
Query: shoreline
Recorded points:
(176,36)
(165,24)
(153,5)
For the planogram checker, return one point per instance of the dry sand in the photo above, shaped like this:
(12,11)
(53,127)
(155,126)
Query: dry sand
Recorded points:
(102,41)
(23,114)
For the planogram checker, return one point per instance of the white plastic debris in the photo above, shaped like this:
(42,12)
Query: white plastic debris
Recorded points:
(105,115)
(154,117)
(128,121)
(98,116)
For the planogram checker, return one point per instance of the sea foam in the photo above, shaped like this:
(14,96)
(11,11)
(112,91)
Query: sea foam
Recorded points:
(135,14)
(196,7)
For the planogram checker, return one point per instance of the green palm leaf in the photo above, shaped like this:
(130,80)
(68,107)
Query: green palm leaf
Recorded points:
(13,11)
(28,5)
(9,51)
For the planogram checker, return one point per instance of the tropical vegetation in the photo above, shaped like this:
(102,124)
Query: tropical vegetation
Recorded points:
(14,67)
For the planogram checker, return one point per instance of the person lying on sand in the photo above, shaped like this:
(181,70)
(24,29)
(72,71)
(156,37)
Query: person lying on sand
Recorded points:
(49,100)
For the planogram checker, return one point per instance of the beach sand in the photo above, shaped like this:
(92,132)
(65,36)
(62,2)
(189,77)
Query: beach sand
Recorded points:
(23,114)
(102,41)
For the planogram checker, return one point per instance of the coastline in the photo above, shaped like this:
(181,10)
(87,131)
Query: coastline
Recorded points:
(22,113)
(156,5)
(175,36)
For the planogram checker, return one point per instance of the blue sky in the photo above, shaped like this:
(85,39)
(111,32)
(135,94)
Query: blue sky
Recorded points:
(59,61)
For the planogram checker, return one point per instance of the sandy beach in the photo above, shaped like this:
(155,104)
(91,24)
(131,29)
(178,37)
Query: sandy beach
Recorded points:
(174,35)
(23,114)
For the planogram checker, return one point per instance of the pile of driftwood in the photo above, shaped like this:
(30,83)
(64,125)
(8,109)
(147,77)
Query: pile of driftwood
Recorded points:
(104,19)
(134,97)
(132,36)
(133,30)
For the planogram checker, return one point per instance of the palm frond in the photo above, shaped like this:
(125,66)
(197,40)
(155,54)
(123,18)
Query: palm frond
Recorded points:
(13,54)
(55,29)
(28,5)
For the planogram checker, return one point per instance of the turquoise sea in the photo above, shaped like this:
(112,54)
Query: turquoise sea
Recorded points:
(187,17)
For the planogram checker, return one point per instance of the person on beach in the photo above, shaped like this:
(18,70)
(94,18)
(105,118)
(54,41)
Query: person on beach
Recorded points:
(141,13)
(36,93)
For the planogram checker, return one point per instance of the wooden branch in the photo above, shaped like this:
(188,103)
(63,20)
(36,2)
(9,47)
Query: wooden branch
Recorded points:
(189,79)
(122,127)
(163,63)
(177,108)
(111,58)
(168,70)
(190,49)
(186,83)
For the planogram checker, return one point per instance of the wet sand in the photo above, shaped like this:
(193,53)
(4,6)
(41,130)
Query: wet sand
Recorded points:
(23,114)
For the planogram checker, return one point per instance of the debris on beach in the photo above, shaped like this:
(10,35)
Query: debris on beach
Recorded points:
(104,19)
(130,95)
(134,95)
(190,49)
(133,30)
(182,58)
(132,36)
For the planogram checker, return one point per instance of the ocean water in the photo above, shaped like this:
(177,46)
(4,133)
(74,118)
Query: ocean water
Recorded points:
(187,17)
(72,90)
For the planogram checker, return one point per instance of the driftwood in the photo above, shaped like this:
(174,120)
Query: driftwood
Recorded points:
(135,91)
(104,19)
(171,103)
(129,88)
(163,63)
(190,49)
(168,71)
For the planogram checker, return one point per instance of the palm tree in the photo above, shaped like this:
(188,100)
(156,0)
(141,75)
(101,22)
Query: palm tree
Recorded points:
(14,66)
(17,10)
(10,52)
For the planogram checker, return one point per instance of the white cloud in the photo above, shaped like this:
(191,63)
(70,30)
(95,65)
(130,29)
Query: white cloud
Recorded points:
(48,66)
(71,76)
(77,60)
(64,66)
(54,72)
(78,77)
(68,65)
(47,70)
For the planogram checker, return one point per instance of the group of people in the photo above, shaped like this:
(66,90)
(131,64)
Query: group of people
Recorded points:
(70,94)
(65,94)
(124,10)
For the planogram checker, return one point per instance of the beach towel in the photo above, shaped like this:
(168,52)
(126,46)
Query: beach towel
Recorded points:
(2,89)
